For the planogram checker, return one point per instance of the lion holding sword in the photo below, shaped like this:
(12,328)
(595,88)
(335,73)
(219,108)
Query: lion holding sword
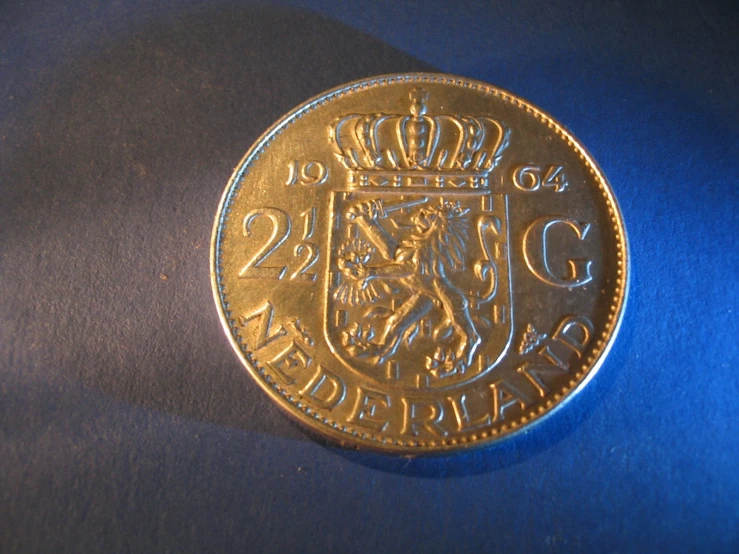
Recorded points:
(423,263)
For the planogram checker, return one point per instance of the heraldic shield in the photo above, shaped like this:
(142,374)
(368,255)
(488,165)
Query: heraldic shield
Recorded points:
(419,289)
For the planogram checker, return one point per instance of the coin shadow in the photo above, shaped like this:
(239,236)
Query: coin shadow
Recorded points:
(117,160)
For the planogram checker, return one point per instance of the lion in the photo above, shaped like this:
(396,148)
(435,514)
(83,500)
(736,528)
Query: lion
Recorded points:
(422,263)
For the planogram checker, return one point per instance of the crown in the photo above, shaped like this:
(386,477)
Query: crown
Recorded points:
(416,149)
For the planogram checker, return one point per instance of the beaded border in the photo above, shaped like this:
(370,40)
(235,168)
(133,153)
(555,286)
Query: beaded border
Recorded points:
(586,371)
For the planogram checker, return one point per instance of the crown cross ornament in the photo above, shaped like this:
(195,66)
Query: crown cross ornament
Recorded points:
(418,149)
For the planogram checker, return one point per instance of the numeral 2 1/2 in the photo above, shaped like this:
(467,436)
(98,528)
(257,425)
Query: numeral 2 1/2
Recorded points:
(305,252)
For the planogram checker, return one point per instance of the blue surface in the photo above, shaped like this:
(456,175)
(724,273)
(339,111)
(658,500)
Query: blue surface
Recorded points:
(126,422)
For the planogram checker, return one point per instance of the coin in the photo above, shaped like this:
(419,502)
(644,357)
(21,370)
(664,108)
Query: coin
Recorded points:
(419,263)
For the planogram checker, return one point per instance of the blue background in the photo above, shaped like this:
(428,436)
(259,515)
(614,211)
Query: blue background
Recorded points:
(127,423)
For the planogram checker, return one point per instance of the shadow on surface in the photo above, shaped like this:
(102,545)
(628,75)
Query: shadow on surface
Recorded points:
(117,165)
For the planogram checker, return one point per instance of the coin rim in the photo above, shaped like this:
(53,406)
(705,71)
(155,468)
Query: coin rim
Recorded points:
(345,435)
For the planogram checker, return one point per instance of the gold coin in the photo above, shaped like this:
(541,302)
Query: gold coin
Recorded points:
(419,263)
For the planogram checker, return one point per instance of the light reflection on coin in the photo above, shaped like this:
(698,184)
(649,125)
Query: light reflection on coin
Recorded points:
(419,263)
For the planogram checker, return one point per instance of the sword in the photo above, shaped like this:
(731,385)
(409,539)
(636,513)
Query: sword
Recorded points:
(383,209)
(385,242)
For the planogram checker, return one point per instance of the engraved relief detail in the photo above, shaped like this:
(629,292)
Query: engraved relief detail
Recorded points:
(539,256)
(419,283)
(396,150)
(530,339)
